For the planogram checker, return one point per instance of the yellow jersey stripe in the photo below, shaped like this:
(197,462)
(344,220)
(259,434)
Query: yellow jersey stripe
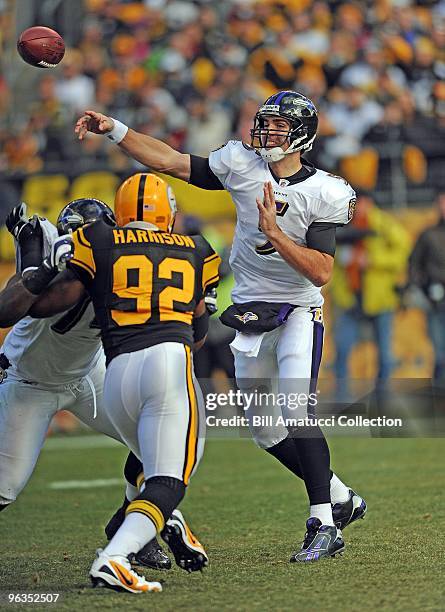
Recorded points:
(140,480)
(82,239)
(192,431)
(83,265)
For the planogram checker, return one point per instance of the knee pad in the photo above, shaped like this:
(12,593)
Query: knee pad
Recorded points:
(133,469)
(162,494)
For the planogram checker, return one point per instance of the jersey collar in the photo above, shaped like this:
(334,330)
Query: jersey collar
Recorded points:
(303,173)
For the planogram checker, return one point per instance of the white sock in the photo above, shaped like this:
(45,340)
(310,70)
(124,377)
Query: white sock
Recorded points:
(131,492)
(339,491)
(322,512)
(134,533)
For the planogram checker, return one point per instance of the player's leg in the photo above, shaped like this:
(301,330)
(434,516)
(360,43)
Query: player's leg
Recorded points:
(257,379)
(25,415)
(152,393)
(260,374)
(86,402)
(299,354)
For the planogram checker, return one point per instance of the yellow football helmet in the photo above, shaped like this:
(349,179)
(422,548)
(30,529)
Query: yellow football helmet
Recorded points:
(146,197)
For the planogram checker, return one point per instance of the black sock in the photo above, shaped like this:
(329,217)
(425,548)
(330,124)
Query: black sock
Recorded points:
(286,453)
(132,469)
(314,460)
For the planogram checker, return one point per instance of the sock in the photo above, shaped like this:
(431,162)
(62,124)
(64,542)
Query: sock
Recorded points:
(286,454)
(322,512)
(339,491)
(134,533)
(313,454)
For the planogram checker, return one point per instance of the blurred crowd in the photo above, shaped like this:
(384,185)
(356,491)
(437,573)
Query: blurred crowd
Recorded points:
(194,72)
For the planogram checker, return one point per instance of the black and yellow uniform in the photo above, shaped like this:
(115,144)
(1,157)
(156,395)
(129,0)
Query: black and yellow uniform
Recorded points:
(144,284)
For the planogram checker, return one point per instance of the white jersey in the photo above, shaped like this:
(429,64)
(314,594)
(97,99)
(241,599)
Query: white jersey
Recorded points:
(54,351)
(57,350)
(260,272)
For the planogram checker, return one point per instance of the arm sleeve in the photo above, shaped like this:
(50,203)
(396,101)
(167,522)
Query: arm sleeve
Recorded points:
(82,263)
(210,265)
(320,236)
(201,174)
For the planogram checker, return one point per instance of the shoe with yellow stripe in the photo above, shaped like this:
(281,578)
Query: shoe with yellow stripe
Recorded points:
(189,553)
(116,573)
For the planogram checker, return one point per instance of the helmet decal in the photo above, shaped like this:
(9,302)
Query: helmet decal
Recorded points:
(82,211)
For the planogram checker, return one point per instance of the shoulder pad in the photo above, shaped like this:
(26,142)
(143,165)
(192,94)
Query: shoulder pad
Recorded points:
(203,247)
(335,188)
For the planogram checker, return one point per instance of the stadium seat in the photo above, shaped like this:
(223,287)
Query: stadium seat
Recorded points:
(7,250)
(100,185)
(45,194)
(361,170)
(414,164)
(205,204)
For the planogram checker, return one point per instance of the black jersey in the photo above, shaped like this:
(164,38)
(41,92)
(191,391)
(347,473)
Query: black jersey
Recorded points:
(144,284)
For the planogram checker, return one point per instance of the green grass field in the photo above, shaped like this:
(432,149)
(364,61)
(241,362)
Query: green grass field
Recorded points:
(250,513)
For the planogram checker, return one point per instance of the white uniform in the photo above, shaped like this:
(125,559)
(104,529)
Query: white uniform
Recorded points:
(156,404)
(321,197)
(288,358)
(56,364)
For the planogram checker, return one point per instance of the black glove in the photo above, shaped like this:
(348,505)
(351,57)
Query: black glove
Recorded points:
(29,236)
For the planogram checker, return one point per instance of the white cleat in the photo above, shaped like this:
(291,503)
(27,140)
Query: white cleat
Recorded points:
(114,572)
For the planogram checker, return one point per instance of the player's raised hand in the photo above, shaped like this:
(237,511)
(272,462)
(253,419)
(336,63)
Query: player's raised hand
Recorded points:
(267,211)
(17,219)
(97,123)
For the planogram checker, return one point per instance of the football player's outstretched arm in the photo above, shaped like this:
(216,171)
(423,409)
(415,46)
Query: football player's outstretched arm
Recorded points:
(147,150)
(15,300)
(23,290)
(61,295)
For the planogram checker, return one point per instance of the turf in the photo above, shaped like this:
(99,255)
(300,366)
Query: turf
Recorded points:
(250,514)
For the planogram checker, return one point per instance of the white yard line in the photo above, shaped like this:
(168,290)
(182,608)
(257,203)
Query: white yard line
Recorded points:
(85,484)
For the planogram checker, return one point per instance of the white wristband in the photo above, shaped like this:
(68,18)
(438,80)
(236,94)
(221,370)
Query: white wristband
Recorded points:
(119,132)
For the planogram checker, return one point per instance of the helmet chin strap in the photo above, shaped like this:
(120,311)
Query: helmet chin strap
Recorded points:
(272,155)
(276,154)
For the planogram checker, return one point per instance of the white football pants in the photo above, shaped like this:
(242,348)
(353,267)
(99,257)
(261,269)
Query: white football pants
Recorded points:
(155,403)
(26,411)
(286,366)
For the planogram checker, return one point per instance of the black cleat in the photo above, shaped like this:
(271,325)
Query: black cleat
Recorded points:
(189,553)
(152,556)
(115,522)
(349,511)
(320,541)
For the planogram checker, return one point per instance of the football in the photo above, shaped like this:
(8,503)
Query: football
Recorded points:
(41,47)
